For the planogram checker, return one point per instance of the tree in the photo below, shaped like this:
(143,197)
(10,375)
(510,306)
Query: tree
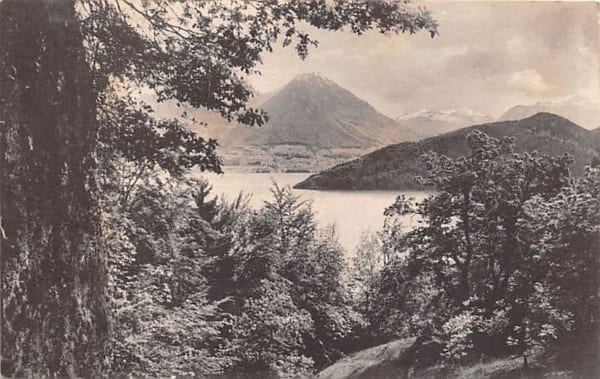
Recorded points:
(407,303)
(470,242)
(366,266)
(133,145)
(562,234)
(57,68)
(163,319)
(313,262)
(267,334)
(279,260)
(55,317)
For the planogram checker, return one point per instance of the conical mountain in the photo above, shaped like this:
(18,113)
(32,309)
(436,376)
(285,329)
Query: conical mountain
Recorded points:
(314,111)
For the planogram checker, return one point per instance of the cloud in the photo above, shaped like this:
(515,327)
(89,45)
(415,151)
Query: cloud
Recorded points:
(489,56)
(529,81)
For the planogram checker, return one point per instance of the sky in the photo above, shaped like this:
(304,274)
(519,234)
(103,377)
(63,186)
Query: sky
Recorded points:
(488,56)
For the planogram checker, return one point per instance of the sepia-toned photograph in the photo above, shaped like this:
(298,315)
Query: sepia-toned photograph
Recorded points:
(308,189)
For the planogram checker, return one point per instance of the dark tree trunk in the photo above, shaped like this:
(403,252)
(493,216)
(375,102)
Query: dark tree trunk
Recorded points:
(55,318)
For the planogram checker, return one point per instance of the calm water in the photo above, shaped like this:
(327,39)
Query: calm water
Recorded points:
(352,212)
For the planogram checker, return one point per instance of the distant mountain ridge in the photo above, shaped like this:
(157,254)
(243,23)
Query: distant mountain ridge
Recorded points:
(580,110)
(429,123)
(395,166)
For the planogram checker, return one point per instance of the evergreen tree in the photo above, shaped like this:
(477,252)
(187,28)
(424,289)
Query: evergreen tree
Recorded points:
(163,319)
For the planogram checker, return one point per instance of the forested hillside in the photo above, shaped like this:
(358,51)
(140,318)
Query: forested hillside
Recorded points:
(396,166)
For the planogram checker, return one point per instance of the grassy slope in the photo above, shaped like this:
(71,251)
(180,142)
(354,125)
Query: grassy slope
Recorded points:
(367,363)
(396,359)
(395,166)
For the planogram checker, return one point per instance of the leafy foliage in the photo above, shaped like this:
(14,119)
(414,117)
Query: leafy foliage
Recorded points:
(563,236)
(185,250)
(267,336)
(494,255)
(197,51)
(366,264)
(204,286)
(164,322)
(174,253)
(167,243)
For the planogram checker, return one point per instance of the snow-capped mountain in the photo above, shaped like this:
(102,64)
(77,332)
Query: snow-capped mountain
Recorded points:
(429,123)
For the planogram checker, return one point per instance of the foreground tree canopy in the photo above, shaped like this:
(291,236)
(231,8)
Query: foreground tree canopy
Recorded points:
(68,70)
(505,258)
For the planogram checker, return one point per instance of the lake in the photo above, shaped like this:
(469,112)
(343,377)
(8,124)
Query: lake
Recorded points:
(352,212)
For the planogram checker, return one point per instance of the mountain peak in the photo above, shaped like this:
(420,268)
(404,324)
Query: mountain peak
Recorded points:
(580,110)
(313,79)
(547,116)
(549,122)
(315,75)
(313,110)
